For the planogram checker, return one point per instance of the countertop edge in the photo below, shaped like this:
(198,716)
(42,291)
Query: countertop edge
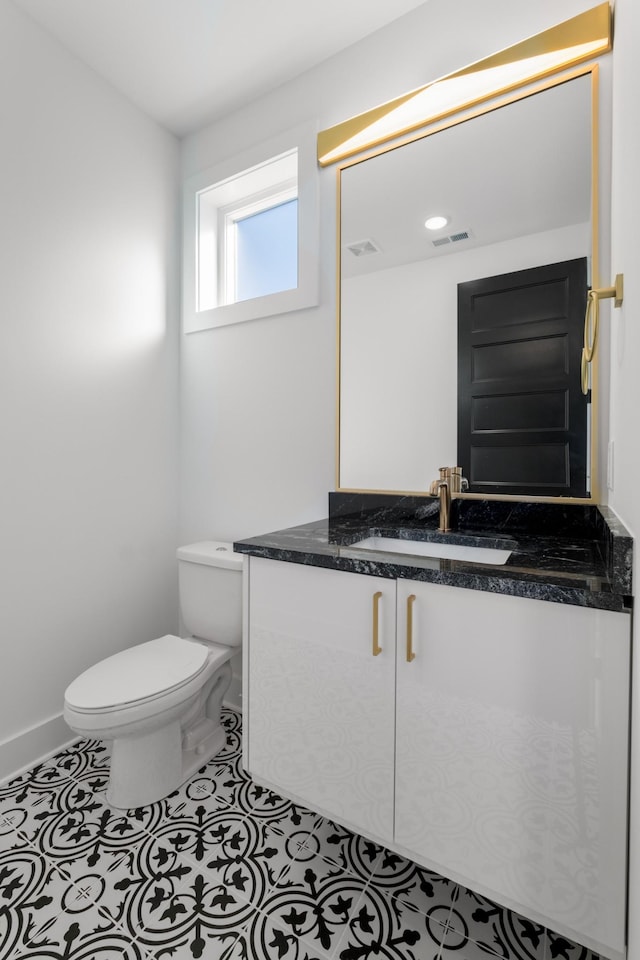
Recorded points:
(522,586)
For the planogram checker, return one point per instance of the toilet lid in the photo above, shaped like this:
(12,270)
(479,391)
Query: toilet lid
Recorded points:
(143,671)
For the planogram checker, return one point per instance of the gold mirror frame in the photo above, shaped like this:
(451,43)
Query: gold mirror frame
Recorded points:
(556,50)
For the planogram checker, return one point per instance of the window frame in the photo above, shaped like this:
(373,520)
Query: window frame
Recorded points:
(201,240)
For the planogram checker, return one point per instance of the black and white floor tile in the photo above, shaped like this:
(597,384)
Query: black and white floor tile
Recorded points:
(223,869)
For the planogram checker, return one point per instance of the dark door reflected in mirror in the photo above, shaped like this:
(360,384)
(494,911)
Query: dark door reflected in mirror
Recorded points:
(522,415)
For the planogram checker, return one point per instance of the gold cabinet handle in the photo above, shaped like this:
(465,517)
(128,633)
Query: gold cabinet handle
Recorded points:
(410,601)
(376,623)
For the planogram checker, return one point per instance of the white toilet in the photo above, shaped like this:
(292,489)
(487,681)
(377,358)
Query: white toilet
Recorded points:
(159,702)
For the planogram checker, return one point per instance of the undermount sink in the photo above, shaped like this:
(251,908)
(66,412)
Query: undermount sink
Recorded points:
(428,548)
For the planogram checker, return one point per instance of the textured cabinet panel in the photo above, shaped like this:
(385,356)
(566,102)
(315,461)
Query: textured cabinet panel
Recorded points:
(321,706)
(512,736)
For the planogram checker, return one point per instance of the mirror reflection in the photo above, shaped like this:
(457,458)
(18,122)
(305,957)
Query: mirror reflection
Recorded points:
(513,187)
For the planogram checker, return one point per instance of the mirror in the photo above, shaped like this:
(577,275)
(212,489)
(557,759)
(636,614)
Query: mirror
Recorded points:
(515,185)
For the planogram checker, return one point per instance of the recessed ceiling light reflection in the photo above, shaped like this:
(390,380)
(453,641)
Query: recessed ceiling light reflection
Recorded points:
(436,223)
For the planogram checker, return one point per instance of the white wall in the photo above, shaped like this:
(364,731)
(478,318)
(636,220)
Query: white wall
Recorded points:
(625,376)
(88,380)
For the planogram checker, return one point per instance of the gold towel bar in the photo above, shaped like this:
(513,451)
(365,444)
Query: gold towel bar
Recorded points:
(592,322)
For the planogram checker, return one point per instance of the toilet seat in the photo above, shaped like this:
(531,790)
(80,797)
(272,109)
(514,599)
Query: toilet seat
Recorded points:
(138,675)
(106,721)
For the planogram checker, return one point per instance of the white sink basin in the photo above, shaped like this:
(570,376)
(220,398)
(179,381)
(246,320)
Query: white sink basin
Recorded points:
(427,548)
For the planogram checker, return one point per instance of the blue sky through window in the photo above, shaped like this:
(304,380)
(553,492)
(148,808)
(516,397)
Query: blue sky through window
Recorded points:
(267,251)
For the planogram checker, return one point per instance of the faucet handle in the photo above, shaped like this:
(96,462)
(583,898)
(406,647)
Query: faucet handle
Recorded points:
(453,478)
(457,482)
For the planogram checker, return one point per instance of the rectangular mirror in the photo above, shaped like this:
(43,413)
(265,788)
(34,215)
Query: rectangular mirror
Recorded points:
(423,384)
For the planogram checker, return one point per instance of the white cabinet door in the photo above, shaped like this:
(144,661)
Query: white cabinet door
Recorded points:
(512,729)
(321,705)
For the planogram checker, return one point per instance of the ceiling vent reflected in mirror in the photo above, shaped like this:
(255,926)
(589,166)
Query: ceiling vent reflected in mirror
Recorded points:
(453,238)
(363,248)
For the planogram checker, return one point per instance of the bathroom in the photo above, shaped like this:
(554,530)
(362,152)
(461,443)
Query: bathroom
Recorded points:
(121,436)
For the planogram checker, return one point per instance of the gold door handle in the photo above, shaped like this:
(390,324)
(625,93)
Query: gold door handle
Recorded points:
(376,623)
(410,601)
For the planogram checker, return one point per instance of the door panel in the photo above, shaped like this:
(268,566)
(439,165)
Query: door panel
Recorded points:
(512,735)
(519,395)
(321,705)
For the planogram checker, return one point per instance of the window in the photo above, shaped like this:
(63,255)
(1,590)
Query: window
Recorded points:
(251,240)
(262,251)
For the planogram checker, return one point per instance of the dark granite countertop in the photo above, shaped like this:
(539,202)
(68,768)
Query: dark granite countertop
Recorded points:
(580,556)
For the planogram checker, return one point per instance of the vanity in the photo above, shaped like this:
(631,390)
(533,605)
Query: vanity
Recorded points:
(471,716)
(459,691)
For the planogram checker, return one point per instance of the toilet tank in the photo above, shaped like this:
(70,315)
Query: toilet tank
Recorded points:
(210,589)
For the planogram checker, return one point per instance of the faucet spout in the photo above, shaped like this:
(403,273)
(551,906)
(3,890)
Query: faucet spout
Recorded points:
(450,482)
(441,489)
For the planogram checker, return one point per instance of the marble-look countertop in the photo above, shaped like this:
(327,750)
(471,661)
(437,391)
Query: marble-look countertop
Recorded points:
(588,567)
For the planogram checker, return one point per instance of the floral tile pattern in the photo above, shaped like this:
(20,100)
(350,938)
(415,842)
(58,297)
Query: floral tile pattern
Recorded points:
(493,928)
(44,915)
(223,869)
(269,940)
(344,848)
(384,926)
(313,901)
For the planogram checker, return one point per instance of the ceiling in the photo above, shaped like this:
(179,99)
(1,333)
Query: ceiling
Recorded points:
(520,170)
(188,62)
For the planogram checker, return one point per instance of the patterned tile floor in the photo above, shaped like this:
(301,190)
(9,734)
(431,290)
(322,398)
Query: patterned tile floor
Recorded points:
(224,870)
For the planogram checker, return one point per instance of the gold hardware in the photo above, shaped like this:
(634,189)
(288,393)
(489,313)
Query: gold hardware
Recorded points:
(584,374)
(440,489)
(450,481)
(592,323)
(376,600)
(410,601)
(456,480)
(573,41)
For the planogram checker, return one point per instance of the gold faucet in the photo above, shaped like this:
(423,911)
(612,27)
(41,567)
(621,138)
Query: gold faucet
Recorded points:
(450,481)
(440,488)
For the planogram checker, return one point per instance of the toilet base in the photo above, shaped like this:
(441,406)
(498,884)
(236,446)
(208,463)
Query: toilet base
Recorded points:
(192,763)
(150,766)
(145,768)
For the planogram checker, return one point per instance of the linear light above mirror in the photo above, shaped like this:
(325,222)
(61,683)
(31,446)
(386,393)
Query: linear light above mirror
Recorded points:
(567,44)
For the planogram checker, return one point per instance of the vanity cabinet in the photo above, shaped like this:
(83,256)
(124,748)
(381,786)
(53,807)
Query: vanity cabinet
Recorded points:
(487,740)
(321,706)
(511,762)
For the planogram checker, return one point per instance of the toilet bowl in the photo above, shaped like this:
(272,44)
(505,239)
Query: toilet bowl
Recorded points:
(159,702)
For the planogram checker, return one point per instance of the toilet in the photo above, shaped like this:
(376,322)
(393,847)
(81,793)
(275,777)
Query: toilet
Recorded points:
(159,702)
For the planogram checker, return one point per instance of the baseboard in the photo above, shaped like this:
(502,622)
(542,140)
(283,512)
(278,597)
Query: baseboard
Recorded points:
(32,746)
(38,743)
